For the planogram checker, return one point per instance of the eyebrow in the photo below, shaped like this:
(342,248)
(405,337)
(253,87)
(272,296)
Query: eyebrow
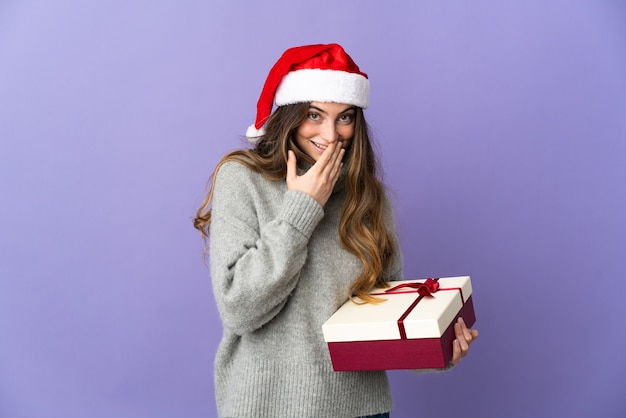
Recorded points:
(324,112)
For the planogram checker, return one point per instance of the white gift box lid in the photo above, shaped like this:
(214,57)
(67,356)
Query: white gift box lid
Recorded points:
(428,319)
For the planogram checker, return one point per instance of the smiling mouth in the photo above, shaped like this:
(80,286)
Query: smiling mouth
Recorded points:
(320,146)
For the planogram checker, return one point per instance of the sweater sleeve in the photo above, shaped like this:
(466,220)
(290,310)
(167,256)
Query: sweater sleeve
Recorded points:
(255,264)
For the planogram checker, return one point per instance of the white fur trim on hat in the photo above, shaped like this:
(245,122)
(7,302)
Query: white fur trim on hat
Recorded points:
(253,134)
(317,85)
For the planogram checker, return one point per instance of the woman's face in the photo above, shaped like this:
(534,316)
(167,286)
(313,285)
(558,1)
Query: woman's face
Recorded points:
(325,123)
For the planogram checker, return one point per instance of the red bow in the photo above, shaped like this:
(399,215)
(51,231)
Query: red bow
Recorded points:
(427,288)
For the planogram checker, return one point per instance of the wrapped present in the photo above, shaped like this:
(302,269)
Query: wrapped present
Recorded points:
(413,328)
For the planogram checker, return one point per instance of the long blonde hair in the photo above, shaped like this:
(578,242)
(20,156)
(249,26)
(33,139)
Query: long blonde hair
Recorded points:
(362,227)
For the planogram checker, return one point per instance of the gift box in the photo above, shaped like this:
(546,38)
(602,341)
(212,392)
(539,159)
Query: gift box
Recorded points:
(413,328)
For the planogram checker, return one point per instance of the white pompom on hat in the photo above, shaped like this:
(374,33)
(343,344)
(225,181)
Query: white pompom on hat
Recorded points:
(311,73)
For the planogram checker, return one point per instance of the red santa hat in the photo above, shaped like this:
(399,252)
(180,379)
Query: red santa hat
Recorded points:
(311,73)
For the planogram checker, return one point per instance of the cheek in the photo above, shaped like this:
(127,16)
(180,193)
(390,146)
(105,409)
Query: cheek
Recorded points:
(346,133)
(302,137)
(306,131)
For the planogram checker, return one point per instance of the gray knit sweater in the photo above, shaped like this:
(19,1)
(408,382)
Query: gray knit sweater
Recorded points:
(279,271)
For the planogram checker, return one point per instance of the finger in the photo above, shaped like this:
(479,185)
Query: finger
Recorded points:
(291,166)
(326,157)
(460,337)
(470,334)
(338,161)
(456,352)
(334,174)
(466,331)
(328,161)
(335,158)
(334,150)
(340,152)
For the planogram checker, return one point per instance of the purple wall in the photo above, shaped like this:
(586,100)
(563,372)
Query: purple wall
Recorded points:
(502,127)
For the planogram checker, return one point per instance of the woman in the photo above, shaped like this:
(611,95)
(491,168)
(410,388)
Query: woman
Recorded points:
(297,225)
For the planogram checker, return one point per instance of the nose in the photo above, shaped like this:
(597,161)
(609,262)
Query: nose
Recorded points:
(329,132)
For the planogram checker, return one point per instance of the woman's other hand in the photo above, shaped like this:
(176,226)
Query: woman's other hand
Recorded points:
(464,338)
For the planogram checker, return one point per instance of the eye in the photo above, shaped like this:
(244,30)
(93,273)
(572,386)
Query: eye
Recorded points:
(346,118)
(314,116)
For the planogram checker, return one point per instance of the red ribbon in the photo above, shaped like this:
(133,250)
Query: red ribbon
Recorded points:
(427,288)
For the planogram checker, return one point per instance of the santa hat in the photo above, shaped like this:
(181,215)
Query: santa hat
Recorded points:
(311,73)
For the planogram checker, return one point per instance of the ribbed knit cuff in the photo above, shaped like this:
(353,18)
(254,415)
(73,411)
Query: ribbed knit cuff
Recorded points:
(302,211)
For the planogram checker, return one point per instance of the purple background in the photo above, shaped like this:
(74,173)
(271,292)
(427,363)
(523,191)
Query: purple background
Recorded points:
(502,129)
